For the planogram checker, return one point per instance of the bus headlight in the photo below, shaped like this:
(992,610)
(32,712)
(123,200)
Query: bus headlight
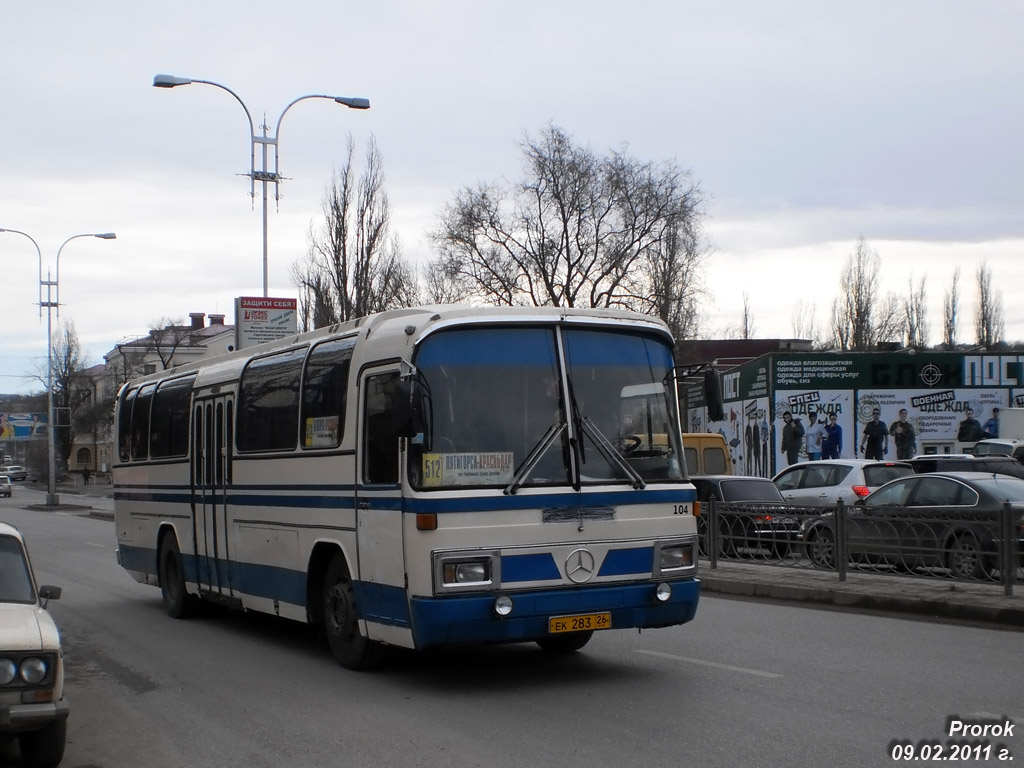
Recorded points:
(675,557)
(473,572)
(466,571)
(503,605)
(663,592)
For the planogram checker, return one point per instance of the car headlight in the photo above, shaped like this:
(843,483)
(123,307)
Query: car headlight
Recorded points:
(33,670)
(8,669)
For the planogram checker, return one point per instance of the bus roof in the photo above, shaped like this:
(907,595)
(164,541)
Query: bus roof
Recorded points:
(397,331)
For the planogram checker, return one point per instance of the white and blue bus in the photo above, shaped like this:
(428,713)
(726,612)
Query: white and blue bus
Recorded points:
(420,477)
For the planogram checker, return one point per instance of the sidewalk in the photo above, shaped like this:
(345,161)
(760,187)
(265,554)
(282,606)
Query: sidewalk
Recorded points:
(75,497)
(958,601)
(917,596)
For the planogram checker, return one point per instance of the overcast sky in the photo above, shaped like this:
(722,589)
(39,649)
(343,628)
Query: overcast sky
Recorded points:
(807,125)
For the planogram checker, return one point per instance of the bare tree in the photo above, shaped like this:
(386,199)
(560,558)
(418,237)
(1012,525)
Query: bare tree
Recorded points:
(744,328)
(166,337)
(950,311)
(853,313)
(673,284)
(802,320)
(860,318)
(988,315)
(747,320)
(70,389)
(889,324)
(578,230)
(915,315)
(354,265)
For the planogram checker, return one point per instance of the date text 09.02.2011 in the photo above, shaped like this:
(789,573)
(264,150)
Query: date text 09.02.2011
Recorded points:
(936,751)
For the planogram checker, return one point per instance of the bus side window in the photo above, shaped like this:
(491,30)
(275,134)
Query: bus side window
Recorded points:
(380,436)
(124,425)
(324,387)
(140,422)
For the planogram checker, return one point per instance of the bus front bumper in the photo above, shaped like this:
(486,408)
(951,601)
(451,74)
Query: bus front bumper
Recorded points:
(473,619)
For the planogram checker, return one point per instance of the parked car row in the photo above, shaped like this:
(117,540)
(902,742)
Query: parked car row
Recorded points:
(906,515)
(947,520)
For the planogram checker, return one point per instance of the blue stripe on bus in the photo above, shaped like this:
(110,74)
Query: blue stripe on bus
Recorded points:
(454,619)
(622,562)
(445,620)
(425,505)
(415,505)
(385,604)
(539,566)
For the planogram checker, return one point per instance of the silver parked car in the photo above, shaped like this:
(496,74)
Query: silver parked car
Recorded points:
(15,472)
(823,483)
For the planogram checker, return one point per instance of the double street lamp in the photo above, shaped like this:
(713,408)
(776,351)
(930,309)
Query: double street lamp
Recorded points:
(265,175)
(52,301)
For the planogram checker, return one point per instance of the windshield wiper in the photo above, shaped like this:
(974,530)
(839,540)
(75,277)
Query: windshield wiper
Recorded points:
(553,433)
(611,453)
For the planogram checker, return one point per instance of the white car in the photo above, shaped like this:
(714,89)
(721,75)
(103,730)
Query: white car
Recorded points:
(15,472)
(824,483)
(6,486)
(32,705)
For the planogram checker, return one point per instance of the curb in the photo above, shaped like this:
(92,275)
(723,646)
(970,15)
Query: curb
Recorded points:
(959,610)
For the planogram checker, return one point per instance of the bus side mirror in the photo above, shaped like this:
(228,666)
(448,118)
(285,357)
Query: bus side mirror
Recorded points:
(713,394)
(409,412)
(401,410)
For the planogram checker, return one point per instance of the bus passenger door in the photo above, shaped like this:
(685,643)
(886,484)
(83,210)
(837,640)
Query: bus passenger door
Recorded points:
(381,563)
(211,478)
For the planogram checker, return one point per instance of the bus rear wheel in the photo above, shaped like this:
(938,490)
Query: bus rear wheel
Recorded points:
(570,642)
(178,603)
(341,620)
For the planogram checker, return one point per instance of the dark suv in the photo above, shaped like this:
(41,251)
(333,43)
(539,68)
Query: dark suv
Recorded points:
(997,465)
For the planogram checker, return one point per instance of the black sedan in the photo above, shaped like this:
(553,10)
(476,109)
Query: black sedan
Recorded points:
(947,520)
(750,512)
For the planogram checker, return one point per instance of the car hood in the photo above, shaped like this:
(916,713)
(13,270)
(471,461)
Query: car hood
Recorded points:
(27,628)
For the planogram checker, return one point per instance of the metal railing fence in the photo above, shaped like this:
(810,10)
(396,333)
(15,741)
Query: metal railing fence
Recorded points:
(944,543)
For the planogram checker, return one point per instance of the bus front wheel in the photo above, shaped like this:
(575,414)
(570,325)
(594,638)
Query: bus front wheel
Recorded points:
(341,620)
(178,603)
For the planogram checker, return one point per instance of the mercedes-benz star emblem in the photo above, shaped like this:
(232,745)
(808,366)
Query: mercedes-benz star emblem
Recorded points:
(579,566)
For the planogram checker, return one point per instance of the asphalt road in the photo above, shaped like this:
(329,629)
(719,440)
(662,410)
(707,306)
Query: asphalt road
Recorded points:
(746,684)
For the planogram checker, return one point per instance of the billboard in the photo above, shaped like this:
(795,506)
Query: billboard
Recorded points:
(936,389)
(22,426)
(260,319)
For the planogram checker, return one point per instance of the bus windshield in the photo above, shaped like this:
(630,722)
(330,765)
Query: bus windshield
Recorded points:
(544,406)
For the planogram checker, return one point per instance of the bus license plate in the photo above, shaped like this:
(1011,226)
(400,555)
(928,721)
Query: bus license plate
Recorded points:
(589,621)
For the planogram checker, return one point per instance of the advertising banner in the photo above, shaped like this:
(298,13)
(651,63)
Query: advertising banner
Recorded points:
(22,426)
(939,419)
(824,404)
(264,319)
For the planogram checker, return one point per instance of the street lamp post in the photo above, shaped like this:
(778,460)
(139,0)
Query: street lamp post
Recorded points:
(52,301)
(264,175)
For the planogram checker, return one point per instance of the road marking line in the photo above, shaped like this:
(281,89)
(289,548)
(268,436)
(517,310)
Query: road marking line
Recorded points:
(715,664)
